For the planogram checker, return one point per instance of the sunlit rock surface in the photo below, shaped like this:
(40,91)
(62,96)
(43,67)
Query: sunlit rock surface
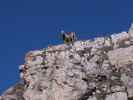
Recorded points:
(14,93)
(101,69)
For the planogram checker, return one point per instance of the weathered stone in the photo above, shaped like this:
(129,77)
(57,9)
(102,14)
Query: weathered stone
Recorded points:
(92,98)
(119,38)
(14,93)
(117,96)
(117,57)
(117,88)
(86,70)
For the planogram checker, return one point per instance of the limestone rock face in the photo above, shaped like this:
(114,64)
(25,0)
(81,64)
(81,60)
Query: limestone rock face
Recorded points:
(14,93)
(117,96)
(101,69)
(117,57)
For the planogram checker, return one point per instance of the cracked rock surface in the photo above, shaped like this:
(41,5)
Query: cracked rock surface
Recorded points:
(101,69)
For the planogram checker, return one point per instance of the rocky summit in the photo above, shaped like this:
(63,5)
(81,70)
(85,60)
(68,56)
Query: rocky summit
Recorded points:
(98,69)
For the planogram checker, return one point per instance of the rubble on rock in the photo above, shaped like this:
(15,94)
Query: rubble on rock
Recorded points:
(87,70)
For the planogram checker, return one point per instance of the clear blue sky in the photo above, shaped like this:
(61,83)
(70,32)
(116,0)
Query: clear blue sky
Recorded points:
(33,24)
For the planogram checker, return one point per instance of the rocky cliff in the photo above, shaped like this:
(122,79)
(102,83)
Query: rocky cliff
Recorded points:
(99,69)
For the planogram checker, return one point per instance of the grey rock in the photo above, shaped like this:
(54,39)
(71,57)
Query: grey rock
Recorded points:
(14,93)
(117,96)
(101,69)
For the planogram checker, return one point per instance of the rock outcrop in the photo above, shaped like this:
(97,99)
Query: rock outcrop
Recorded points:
(99,69)
(14,93)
